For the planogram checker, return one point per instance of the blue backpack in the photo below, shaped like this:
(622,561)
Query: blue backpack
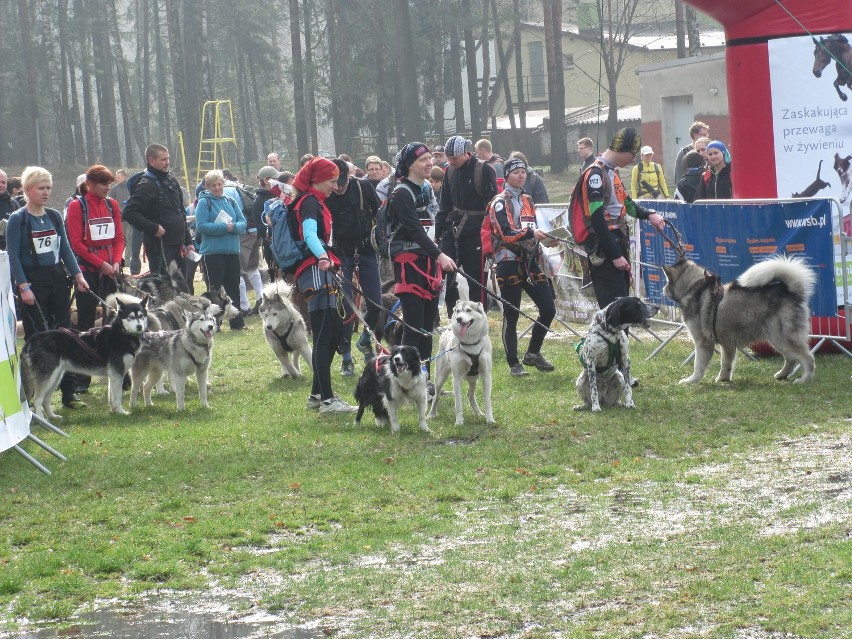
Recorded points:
(286,249)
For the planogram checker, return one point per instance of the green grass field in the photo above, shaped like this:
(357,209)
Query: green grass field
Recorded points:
(708,511)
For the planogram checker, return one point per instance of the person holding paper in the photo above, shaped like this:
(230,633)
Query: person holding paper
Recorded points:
(220,222)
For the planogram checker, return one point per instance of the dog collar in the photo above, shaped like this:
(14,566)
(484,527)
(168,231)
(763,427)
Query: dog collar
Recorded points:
(600,320)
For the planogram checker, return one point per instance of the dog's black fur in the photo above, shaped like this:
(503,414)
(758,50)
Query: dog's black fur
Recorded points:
(222,300)
(159,288)
(388,382)
(814,187)
(106,351)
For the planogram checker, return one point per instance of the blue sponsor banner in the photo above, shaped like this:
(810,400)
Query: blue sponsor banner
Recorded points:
(730,237)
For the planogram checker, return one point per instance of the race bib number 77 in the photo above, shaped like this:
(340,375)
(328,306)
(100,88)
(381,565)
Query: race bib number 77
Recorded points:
(101,228)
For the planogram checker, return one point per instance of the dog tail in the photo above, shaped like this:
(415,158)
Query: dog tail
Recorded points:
(799,278)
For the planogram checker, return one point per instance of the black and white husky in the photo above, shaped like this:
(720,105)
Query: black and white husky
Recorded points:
(181,353)
(390,381)
(106,351)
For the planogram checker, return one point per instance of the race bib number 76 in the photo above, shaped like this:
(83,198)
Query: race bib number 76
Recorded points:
(46,242)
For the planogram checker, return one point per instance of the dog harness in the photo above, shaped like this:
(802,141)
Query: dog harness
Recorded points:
(283,338)
(78,337)
(613,354)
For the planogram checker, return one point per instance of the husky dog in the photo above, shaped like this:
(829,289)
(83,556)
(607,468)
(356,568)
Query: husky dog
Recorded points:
(767,302)
(160,288)
(466,353)
(284,328)
(606,349)
(107,351)
(390,381)
(171,315)
(224,305)
(180,353)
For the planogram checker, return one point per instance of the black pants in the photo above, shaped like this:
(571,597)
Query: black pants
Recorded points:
(608,282)
(418,313)
(161,255)
(326,328)
(223,269)
(53,298)
(87,305)
(512,279)
(468,255)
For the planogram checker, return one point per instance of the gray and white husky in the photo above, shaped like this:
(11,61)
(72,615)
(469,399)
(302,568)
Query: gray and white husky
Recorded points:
(284,328)
(106,351)
(181,353)
(770,301)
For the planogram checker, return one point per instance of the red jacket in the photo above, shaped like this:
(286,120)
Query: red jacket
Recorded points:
(98,238)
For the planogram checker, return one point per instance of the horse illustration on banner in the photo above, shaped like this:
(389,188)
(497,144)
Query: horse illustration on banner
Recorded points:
(834,47)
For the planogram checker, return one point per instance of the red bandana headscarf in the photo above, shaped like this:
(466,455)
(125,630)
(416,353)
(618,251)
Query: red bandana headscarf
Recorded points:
(315,171)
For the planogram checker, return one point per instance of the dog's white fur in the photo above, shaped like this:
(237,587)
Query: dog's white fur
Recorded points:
(602,383)
(465,340)
(180,353)
(284,328)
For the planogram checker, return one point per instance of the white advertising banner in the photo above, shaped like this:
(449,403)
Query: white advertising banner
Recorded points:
(812,123)
(15,425)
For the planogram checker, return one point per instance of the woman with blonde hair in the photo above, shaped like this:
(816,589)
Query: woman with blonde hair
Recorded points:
(41,261)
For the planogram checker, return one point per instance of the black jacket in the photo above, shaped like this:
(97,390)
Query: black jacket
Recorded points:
(260,197)
(716,186)
(403,209)
(460,192)
(353,216)
(535,188)
(8,205)
(158,202)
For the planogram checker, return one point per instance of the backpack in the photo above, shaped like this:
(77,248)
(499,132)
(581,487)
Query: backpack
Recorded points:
(580,225)
(385,229)
(489,233)
(286,249)
(247,195)
(133,180)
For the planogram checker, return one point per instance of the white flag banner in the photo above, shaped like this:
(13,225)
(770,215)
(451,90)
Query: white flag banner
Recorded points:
(16,417)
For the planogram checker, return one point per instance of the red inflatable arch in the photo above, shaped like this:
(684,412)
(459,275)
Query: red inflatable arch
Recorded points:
(749,25)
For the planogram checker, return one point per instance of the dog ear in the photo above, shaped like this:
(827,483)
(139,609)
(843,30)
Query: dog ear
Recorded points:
(143,303)
(613,313)
(222,292)
(480,306)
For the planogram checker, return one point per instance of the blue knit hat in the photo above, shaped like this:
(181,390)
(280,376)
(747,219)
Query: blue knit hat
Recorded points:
(720,146)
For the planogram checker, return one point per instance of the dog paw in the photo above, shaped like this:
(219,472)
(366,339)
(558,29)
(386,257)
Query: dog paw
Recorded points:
(120,411)
(596,409)
(629,405)
(425,428)
(490,421)
(580,407)
(687,380)
(459,422)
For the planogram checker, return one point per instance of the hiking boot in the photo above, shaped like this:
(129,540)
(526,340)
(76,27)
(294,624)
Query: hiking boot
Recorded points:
(336,405)
(347,368)
(72,401)
(518,370)
(538,360)
(314,402)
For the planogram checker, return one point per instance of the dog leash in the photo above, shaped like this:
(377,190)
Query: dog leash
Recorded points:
(677,242)
(470,278)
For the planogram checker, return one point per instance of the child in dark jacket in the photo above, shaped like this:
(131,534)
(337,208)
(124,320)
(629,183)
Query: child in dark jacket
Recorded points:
(693,167)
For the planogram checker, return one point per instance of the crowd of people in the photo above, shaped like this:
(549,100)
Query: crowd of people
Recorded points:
(436,198)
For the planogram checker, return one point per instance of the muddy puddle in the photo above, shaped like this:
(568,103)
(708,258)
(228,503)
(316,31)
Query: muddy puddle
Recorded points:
(157,617)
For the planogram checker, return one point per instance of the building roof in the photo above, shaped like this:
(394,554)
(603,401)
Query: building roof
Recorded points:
(652,42)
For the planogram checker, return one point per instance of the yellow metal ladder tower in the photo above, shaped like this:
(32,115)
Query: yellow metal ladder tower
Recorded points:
(211,152)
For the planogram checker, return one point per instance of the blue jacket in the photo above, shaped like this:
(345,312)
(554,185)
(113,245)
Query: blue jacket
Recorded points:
(215,238)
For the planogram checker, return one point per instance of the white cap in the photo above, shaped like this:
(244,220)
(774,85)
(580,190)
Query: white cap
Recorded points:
(646,150)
